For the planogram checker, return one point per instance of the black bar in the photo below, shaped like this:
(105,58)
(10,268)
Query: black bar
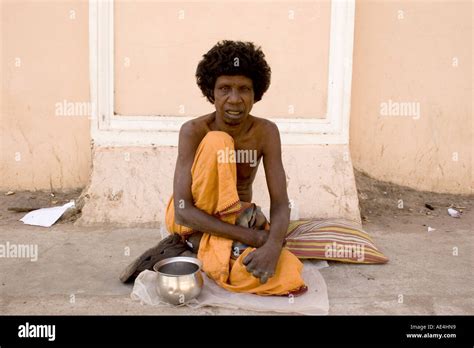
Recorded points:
(240,330)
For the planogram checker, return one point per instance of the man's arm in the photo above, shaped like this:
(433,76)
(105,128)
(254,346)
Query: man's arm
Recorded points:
(262,262)
(186,213)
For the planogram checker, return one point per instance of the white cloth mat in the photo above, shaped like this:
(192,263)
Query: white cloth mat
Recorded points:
(313,302)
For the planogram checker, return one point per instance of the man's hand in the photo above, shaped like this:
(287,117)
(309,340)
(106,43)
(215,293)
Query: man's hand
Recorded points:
(262,262)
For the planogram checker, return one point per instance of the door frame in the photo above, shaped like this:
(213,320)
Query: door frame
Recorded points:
(109,129)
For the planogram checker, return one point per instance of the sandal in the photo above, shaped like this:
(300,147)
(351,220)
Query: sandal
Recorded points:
(171,246)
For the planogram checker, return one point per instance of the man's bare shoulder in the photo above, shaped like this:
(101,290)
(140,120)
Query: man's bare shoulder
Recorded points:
(197,127)
(265,126)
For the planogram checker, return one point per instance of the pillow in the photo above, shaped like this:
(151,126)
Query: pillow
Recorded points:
(332,239)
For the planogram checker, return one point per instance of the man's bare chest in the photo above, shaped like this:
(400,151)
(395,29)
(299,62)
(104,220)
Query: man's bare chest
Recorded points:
(248,154)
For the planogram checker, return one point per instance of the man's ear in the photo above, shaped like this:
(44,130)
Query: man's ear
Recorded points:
(211,97)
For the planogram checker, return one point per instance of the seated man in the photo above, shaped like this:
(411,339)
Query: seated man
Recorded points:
(218,158)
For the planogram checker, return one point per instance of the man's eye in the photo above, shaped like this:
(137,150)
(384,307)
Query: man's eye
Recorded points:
(224,89)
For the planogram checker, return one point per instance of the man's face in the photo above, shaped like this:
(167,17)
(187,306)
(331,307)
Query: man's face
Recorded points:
(233,98)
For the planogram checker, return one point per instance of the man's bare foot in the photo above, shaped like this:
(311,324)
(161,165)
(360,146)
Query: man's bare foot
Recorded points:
(188,253)
(193,241)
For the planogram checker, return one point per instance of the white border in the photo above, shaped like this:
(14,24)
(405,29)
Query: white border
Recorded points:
(108,129)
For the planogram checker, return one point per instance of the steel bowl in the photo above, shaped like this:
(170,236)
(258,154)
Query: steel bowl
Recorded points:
(179,279)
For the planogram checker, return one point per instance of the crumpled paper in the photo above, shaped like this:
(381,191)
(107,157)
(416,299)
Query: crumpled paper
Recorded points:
(46,217)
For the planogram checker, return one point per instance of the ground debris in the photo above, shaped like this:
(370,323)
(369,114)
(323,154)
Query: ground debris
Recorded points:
(429,206)
(387,199)
(456,206)
(454,213)
(23,209)
(27,201)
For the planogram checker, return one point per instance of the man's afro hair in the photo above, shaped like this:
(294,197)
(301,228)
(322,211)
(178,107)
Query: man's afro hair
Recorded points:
(233,58)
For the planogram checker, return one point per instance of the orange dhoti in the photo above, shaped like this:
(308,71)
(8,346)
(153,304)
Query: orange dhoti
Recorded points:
(214,190)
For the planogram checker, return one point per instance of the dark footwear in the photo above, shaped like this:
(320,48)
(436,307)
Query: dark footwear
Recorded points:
(171,246)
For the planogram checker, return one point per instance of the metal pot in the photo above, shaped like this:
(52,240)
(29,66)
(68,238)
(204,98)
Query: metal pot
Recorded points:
(179,279)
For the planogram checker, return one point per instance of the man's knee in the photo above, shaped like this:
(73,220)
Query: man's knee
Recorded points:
(218,139)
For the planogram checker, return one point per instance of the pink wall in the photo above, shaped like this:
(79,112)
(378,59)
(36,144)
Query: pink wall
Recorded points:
(407,60)
(421,56)
(44,62)
(156,61)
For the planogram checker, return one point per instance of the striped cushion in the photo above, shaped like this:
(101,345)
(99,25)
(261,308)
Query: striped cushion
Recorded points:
(332,239)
